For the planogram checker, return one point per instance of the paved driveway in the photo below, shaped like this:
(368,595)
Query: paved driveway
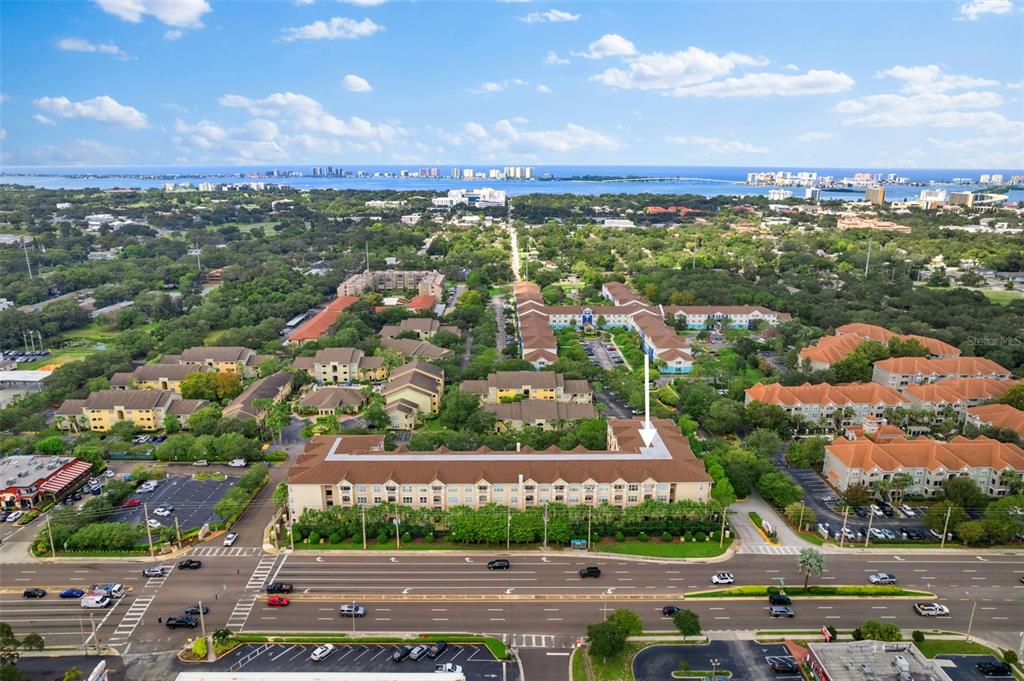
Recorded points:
(752,541)
(747,660)
(613,406)
(964,667)
(193,502)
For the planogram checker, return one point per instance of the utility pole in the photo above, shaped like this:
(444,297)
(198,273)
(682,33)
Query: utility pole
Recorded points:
(545,525)
(199,261)
(291,534)
(970,622)
(590,519)
(867,263)
(398,531)
(721,530)
(28,264)
(800,522)
(177,531)
(362,510)
(202,627)
(49,531)
(867,537)
(842,532)
(508,532)
(149,531)
(95,634)
(945,527)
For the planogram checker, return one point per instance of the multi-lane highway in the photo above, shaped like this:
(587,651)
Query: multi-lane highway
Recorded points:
(541,599)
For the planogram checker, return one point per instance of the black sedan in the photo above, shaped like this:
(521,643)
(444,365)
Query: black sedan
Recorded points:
(194,609)
(670,610)
(34,593)
(190,564)
(994,669)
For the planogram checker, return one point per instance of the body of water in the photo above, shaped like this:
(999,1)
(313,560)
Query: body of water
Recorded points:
(700,180)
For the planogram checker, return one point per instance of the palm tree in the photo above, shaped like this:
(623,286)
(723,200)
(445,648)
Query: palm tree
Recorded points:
(810,562)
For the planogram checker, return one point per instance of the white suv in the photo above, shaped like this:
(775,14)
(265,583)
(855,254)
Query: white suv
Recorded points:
(723,578)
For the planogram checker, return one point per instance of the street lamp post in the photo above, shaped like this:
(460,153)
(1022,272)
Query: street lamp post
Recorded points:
(714,668)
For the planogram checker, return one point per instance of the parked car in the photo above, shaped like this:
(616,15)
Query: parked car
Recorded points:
(995,669)
(186,621)
(436,649)
(781,665)
(447,668)
(277,601)
(931,609)
(230,539)
(351,610)
(670,610)
(201,462)
(590,571)
(781,611)
(322,652)
(154,523)
(723,578)
(401,652)
(194,609)
(34,593)
(131,503)
(158,571)
(882,578)
(417,652)
(279,588)
(190,564)
(72,593)
(499,564)
(14,517)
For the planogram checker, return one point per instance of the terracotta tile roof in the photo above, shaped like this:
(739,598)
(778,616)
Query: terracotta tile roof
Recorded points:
(955,455)
(822,393)
(421,303)
(322,321)
(882,335)
(999,416)
(830,349)
(954,390)
(962,366)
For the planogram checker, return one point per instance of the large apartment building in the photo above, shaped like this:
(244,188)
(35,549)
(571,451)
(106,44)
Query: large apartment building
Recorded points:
(414,388)
(243,361)
(354,470)
(735,316)
(997,416)
(955,394)
(543,414)
(842,405)
(342,365)
(829,350)
(928,462)
(155,377)
(535,385)
(899,372)
(145,409)
(424,282)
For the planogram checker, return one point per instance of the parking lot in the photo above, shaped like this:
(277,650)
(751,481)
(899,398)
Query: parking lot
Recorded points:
(193,502)
(600,354)
(747,660)
(965,667)
(476,661)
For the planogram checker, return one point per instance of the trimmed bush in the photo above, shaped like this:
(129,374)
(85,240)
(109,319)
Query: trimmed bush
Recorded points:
(334,538)
(199,648)
(666,537)
(356,538)
(620,537)
(700,536)
(406,537)
(642,537)
(918,637)
(382,538)
(429,538)
(314,537)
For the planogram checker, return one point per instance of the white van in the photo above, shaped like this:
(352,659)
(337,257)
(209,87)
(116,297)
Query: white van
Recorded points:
(237,463)
(96,599)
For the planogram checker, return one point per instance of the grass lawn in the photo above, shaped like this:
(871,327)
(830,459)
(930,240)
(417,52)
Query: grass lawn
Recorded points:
(690,549)
(762,590)
(932,648)
(1003,297)
(372,545)
(618,668)
(579,667)
(212,336)
(245,226)
(60,357)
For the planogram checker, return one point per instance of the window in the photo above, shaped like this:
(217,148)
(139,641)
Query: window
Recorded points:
(499,488)
(634,488)
(406,488)
(469,488)
(631,498)
(406,500)
(376,488)
(423,500)
(513,500)
(361,501)
(453,501)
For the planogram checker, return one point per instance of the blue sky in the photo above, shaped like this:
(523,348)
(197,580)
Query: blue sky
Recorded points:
(214,82)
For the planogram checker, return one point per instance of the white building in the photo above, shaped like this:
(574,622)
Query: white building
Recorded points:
(779,194)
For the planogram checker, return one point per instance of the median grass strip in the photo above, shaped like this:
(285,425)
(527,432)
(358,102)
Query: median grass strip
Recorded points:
(690,549)
(930,648)
(495,646)
(763,591)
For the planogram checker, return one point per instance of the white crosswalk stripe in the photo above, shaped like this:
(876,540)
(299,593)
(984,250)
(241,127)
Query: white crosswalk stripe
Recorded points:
(247,601)
(769,550)
(132,617)
(229,551)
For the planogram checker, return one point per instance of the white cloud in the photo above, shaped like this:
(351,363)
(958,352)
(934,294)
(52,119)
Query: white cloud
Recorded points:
(333,29)
(103,109)
(553,58)
(172,35)
(3,134)
(937,110)
(304,2)
(814,82)
(504,136)
(43,120)
(609,45)
(543,89)
(659,71)
(181,13)
(931,78)
(364,3)
(719,147)
(974,9)
(307,115)
(552,16)
(497,86)
(83,45)
(4,97)
(81,152)
(815,136)
(476,131)
(354,83)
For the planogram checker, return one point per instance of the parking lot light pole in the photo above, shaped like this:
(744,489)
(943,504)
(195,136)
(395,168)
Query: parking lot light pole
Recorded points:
(867,538)
(714,668)
(49,532)
(545,525)
(721,530)
(149,530)
(177,530)
(362,513)
(970,622)
(842,532)
(945,528)
(202,626)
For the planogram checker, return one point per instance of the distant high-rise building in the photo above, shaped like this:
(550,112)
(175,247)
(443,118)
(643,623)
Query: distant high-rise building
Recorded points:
(456,173)
(528,173)
(467,174)
(997,178)
(961,199)
(779,194)
(984,179)
(875,195)
(812,193)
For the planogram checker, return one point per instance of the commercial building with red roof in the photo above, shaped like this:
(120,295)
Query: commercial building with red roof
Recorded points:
(27,481)
(322,321)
